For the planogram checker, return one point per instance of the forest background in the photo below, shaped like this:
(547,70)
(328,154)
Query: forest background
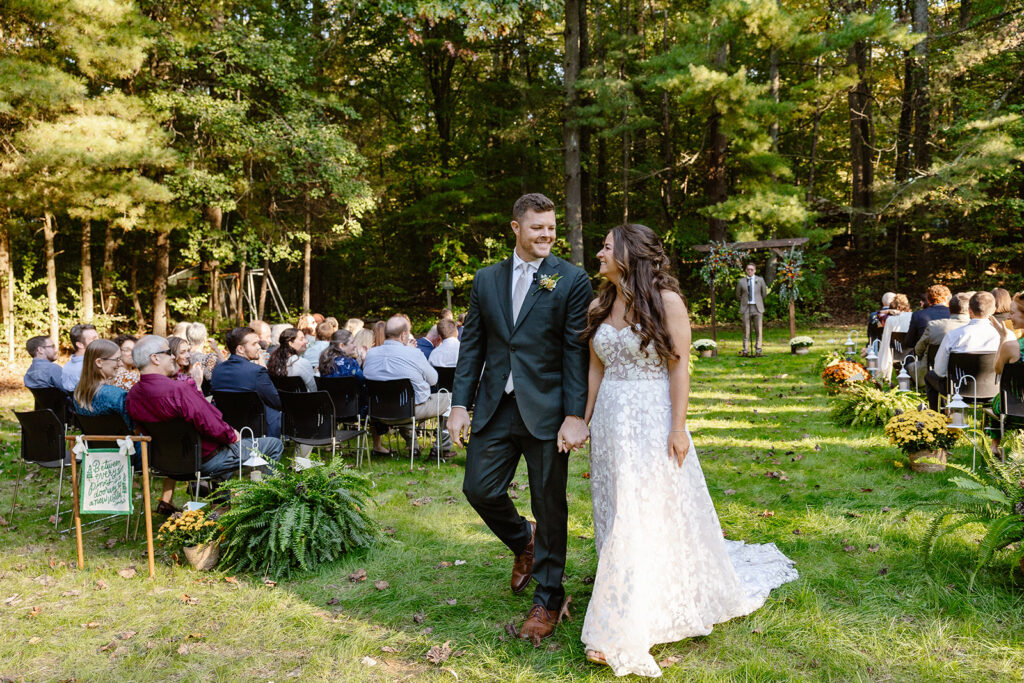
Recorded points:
(153,153)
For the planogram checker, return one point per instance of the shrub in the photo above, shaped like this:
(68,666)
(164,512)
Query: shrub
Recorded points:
(864,404)
(842,375)
(295,520)
(827,359)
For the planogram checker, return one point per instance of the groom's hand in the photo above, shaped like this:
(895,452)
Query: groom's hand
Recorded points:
(572,434)
(458,424)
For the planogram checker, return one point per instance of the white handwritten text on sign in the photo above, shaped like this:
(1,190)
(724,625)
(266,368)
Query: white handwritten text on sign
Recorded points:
(106,482)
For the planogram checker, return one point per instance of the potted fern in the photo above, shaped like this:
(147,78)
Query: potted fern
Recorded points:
(291,521)
(924,436)
(705,347)
(800,345)
(195,534)
(864,404)
(993,497)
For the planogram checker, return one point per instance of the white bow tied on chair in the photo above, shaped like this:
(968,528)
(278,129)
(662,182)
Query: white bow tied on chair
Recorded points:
(80,448)
(126,446)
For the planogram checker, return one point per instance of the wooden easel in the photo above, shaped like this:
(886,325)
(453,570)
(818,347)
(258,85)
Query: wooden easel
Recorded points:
(144,440)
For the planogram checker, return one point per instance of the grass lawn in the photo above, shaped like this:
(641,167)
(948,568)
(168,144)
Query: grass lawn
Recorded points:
(778,470)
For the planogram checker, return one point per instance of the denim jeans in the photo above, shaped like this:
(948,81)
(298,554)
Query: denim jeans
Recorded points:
(225,461)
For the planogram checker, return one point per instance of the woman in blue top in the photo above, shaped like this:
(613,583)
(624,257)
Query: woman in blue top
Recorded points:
(92,395)
(339,359)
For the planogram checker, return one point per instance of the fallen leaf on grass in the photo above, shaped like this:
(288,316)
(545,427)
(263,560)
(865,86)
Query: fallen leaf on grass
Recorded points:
(796,457)
(232,580)
(849,548)
(381,585)
(866,490)
(873,548)
(459,563)
(70,594)
(357,575)
(768,513)
(183,649)
(422,501)
(127,573)
(513,495)
(34,639)
(668,661)
(510,628)
(883,571)
(797,532)
(188,599)
(427,631)
(817,447)
(729,492)
(586,475)
(53,520)
(111,542)
(35,612)
(269,582)
(109,646)
(368,661)
(853,515)
(758,631)
(333,601)
(886,509)
(439,654)
(91,624)
(587,580)
(126,635)
(419,617)
(13,600)
(101,585)
(442,565)
(388,648)
(451,601)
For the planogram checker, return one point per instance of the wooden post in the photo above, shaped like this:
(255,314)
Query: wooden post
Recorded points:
(147,508)
(74,507)
(714,320)
(792,318)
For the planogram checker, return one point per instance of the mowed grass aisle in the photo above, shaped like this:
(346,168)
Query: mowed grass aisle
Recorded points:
(832,499)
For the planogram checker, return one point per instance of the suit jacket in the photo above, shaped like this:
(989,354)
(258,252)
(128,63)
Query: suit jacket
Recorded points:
(543,350)
(919,321)
(743,294)
(936,330)
(239,374)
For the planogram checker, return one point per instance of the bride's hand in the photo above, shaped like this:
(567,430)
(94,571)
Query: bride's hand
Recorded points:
(678,446)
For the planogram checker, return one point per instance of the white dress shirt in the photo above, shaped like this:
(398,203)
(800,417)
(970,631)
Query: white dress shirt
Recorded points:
(446,355)
(519,266)
(977,336)
(750,290)
(395,360)
(898,322)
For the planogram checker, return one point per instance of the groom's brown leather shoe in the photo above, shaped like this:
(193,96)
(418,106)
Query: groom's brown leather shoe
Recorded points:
(540,622)
(522,568)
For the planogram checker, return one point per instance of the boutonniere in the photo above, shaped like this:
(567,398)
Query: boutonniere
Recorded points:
(548,282)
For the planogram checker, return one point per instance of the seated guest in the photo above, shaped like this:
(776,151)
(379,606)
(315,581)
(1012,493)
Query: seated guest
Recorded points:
(287,359)
(333,322)
(187,373)
(181,329)
(93,395)
(982,334)
(266,335)
(876,321)
(307,323)
(1009,354)
(396,359)
(43,373)
(363,341)
(241,372)
(158,398)
(429,341)
(81,336)
(446,314)
(1003,312)
(127,375)
(462,322)
(316,347)
(935,332)
(446,355)
(275,336)
(897,320)
(378,333)
(937,297)
(198,340)
(353,325)
(339,358)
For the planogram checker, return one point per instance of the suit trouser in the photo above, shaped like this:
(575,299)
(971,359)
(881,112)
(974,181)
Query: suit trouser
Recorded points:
(492,456)
(751,316)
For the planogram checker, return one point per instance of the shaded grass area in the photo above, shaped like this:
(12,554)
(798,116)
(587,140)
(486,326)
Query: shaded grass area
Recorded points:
(863,609)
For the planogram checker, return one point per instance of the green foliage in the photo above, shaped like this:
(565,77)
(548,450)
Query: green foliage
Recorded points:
(864,404)
(296,521)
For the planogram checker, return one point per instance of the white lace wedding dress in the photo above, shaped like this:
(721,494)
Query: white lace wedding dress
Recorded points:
(664,571)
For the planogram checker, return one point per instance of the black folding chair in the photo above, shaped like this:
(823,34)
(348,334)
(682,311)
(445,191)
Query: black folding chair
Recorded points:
(976,375)
(57,400)
(896,340)
(933,350)
(293,384)
(348,396)
(176,451)
(242,409)
(42,444)
(308,418)
(393,403)
(445,380)
(1011,396)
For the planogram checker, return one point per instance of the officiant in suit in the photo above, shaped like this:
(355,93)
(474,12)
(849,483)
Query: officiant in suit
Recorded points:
(522,332)
(751,291)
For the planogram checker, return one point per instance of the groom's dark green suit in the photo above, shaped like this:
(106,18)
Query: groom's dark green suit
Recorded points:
(548,362)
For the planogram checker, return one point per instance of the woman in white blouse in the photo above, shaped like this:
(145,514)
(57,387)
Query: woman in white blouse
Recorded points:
(287,361)
(897,321)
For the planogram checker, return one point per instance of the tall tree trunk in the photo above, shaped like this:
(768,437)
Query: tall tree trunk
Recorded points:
(861,162)
(160,272)
(815,133)
(716,187)
(49,231)
(7,292)
(922,104)
(307,262)
(214,294)
(586,195)
(264,286)
(773,91)
(87,300)
(904,132)
(571,133)
(140,316)
(240,310)
(667,151)
(108,294)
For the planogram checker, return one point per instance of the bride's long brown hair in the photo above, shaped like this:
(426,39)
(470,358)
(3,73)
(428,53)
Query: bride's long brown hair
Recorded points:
(643,268)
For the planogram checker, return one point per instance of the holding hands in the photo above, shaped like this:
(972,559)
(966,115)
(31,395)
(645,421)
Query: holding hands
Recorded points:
(572,434)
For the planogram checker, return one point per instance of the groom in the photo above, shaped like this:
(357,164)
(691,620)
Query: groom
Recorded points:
(522,332)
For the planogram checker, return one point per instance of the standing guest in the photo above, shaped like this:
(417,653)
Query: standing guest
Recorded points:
(127,375)
(898,320)
(396,359)
(1009,354)
(187,372)
(43,373)
(339,359)
(363,341)
(319,345)
(446,355)
(751,291)
(983,334)
(462,323)
(354,325)
(198,339)
(429,341)
(307,324)
(937,297)
(936,331)
(241,372)
(81,336)
(181,329)
(94,395)
(876,321)
(378,333)
(287,359)
(158,398)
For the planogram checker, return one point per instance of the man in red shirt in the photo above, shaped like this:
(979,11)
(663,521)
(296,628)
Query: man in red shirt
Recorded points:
(158,398)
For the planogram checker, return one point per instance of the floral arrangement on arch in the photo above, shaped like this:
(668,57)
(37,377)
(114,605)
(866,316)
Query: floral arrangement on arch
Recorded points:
(922,429)
(840,375)
(789,274)
(721,257)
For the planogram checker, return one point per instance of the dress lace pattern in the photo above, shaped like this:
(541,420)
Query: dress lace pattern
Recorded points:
(664,570)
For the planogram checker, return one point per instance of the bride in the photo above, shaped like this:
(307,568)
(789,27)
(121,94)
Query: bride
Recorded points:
(664,571)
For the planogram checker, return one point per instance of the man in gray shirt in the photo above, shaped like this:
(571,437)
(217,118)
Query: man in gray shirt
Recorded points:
(44,373)
(396,359)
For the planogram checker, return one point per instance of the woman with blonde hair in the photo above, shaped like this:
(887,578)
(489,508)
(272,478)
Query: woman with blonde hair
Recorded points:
(93,395)
(197,339)
(898,320)
(363,340)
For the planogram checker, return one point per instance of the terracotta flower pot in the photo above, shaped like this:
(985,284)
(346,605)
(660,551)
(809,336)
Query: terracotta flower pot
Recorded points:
(706,353)
(203,557)
(800,350)
(918,466)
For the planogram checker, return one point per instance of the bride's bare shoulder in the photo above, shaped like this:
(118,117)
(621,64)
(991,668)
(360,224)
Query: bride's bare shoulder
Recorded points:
(593,303)
(672,301)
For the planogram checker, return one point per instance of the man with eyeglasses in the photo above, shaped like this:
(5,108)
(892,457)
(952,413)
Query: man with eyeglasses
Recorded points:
(43,373)
(81,336)
(158,398)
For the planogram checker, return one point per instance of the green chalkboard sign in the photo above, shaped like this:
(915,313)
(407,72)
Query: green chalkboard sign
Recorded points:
(106,482)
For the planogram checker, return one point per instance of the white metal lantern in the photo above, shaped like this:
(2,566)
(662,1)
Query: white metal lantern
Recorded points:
(849,344)
(903,379)
(872,359)
(956,408)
